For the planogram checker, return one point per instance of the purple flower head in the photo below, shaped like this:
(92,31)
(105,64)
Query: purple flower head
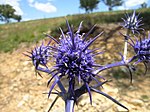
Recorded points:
(74,59)
(40,55)
(142,50)
(133,22)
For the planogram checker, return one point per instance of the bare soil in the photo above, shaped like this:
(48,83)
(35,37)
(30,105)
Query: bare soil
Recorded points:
(22,91)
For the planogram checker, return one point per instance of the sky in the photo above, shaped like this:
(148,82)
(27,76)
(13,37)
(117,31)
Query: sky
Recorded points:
(39,9)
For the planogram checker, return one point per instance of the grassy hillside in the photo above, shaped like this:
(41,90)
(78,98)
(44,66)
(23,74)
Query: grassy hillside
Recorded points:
(11,35)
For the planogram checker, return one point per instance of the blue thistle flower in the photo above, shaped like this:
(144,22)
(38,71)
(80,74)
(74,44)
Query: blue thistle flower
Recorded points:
(133,22)
(142,51)
(75,60)
(41,55)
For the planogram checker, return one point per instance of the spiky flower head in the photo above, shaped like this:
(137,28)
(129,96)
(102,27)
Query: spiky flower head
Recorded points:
(74,59)
(72,56)
(142,52)
(132,22)
(142,49)
(40,55)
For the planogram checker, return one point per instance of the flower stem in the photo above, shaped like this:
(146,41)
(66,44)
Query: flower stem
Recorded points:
(69,106)
(108,66)
(125,50)
(126,46)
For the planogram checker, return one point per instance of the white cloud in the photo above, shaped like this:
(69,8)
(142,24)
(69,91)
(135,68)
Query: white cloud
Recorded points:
(131,3)
(30,1)
(15,4)
(45,7)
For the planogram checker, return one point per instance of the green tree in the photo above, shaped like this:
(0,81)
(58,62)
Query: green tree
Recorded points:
(7,12)
(112,3)
(144,5)
(17,17)
(89,5)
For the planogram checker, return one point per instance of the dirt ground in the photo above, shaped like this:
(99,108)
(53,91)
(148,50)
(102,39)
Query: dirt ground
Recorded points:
(22,91)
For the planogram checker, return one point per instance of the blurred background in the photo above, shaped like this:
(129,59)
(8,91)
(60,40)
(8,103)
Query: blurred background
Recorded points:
(22,24)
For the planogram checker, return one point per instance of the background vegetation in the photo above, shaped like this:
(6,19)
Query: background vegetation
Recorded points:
(11,35)
(7,12)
